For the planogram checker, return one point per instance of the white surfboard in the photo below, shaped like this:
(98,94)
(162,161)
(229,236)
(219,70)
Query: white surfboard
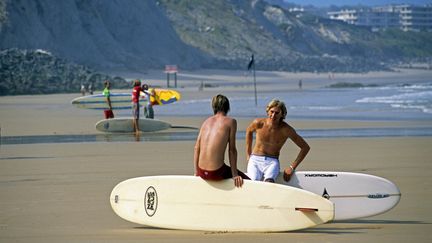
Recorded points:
(355,195)
(126,125)
(98,101)
(191,203)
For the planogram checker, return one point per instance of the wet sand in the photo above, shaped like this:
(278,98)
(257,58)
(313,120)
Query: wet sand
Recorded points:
(60,192)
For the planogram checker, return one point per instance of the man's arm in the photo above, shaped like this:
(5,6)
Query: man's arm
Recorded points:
(249,138)
(197,153)
(232,153)
(304,150)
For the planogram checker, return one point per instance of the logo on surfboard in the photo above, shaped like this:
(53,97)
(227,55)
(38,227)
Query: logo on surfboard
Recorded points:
(150,201)
(325,194)
(320,175)
(378,196)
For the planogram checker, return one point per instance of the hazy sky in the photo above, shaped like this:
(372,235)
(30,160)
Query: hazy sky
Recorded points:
(356,2)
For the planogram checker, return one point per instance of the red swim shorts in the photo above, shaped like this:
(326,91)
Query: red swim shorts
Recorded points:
(223,172)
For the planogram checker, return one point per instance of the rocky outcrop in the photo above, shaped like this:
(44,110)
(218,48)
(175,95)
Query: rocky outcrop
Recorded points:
(39,72)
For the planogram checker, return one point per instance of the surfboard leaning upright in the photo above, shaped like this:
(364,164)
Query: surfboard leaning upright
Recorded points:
(191,203)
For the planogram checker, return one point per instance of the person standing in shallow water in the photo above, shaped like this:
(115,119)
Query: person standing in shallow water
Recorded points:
(136,92)
(148,109)
(106,92)
(271,134)
(216,134)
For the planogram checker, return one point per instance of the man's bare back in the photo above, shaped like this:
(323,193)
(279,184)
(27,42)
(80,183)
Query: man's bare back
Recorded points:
(213,140)
(216,134)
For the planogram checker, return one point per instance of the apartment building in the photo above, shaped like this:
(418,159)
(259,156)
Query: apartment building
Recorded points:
(406,17)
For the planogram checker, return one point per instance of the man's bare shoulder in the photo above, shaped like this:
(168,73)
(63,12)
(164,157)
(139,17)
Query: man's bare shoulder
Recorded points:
(208,120)
(287,128)
(259,121)
(230,120)
(226,120)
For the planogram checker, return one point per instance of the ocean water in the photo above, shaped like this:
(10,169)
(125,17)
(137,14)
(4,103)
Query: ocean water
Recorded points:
(407,102)
(389,102)
(192,135)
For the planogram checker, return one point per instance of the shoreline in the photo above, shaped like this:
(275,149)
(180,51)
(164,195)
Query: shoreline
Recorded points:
(53,114)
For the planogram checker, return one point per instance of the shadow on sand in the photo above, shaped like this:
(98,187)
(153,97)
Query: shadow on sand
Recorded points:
(358,226)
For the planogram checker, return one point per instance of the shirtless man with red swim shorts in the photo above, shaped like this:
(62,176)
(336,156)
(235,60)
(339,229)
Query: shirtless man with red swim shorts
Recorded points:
(216,134)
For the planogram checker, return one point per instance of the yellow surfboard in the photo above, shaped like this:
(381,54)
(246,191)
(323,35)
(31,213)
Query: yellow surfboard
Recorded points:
(164,96)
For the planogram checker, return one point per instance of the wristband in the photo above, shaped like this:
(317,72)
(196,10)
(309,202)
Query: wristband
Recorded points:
(292,168)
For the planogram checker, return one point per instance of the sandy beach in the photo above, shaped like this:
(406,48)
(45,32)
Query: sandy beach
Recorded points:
(59,192)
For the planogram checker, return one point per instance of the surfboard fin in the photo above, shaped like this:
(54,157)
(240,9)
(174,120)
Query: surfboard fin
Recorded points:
(307,210)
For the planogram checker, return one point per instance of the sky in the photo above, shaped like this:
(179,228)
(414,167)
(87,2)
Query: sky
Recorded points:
(322,3)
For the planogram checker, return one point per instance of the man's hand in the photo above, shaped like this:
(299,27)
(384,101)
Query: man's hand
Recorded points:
(287,174)
(238,181)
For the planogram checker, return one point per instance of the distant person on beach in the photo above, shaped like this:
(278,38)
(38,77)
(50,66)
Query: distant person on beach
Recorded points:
(271,134)
(216,133)
(83,90)
(106,92)
(137,89)
(300,84)
(90,89)
(148,109)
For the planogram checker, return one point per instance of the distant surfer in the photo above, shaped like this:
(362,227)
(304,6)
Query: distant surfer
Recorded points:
(216,133)
(137,89)
(106,92)
(271,134)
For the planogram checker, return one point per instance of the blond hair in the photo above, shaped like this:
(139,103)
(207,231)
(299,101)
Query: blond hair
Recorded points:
(220,103)
(279,104)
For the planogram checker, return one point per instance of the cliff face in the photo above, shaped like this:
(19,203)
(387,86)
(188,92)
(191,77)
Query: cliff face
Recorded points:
(148,34)
(131,34)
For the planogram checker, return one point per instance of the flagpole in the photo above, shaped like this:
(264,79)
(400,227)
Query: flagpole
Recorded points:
(252,65)
(254,77)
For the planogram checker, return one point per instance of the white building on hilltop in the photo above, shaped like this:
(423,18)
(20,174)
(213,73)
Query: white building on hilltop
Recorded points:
(405,17)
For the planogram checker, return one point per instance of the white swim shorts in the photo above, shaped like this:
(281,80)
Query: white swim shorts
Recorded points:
(263,167)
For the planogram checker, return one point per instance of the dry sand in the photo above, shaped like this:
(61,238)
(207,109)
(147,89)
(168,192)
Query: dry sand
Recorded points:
(60,192)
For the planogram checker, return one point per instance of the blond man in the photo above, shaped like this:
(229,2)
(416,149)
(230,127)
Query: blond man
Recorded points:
(271,134)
